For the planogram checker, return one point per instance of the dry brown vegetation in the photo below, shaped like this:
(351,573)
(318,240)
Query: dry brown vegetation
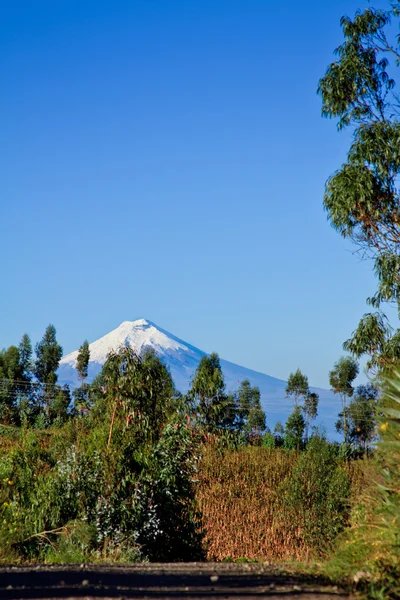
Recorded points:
(273,504)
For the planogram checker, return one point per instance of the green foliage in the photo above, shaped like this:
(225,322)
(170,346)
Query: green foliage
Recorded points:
(372,543)
(48,356)
(389,454)
(82,360)
(362,198)
(60,405)
(374,337)
(25,359)
(139,387)
(297,386)
(341,379)
(251,417)
(294,430)
(317,493)
(115,484)
(310,410)
(360,417)
(10,372)
(268,440)
(279,432)
(208,393)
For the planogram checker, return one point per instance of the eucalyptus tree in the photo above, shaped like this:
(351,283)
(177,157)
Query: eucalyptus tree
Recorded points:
(362,197)
(310,410)
(297,386)
(82,361)
(341,379)
(208,393)
(251,417)
(361,417)
(48,355)
(81,394)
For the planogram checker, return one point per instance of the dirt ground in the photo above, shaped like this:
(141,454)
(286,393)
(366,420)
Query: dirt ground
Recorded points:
(185,580)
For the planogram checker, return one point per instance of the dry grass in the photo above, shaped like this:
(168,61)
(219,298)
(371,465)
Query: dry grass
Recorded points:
(243,498)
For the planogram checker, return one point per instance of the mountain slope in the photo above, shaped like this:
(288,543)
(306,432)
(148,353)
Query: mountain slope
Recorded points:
(182,360)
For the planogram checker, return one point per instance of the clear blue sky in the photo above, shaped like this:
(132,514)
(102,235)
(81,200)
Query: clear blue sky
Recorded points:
(166,159)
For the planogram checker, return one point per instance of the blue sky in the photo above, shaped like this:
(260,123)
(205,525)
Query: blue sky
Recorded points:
(166,159)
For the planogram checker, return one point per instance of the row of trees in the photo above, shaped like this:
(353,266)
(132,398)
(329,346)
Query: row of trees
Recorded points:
(29,392)
(357,420)
(30,395)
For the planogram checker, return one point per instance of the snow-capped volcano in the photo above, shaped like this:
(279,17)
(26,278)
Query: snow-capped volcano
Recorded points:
(182,360)
(138,334)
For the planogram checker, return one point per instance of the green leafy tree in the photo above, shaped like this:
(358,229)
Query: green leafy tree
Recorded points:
(361,417)
(362,197)
(10,374)
(48,355)
(208,393)
(251,417)
(256,420)
(81,394)
(140,387)
(25,359)
(82,361)
(297,386)
(294,430)
(244,401)
(27,389)
(279,433)
(310,410)
(16,389)
(341,379)
(60,405)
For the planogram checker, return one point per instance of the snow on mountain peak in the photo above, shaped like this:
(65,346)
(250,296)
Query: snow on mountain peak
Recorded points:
(138,334)
(182,359)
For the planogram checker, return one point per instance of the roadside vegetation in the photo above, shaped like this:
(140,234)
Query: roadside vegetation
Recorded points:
(126,468)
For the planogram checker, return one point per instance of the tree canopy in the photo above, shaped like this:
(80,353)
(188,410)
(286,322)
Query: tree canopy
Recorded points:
(362,197)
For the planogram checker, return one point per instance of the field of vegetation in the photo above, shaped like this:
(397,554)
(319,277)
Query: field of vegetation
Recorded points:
(134,471)
(126,468)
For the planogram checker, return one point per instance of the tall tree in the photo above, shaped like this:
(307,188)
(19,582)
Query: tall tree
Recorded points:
(279,433)
(138,387)
(82,361)
(251,417)
(361,417)
(297,386)
(25,358)
(341,378)
(48,356)
(256,420)
(294,430)
(310,410)
(60,405)
(208,392)
(81,394)
(362,197)
(27,389)
(10,374)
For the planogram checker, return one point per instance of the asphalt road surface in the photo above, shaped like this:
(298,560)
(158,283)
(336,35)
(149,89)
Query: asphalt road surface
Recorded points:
(186,580)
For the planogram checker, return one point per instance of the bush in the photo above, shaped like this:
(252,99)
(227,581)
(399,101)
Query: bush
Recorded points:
(116,484)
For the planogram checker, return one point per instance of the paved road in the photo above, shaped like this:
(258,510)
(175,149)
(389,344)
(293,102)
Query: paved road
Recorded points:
(154,581)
